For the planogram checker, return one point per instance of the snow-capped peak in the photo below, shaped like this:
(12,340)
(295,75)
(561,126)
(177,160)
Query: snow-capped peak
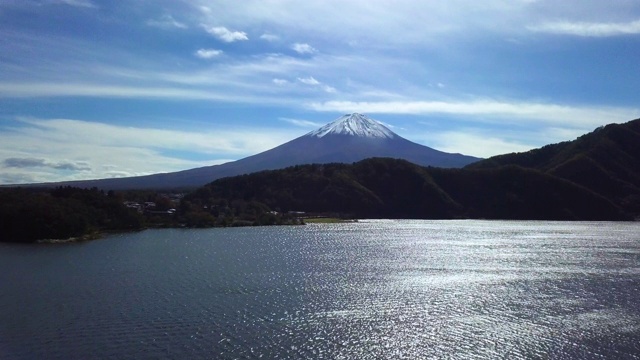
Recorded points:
(355,125)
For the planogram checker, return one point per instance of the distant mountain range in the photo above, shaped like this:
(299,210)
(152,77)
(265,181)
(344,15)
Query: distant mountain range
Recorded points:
(595,177)
(350,138)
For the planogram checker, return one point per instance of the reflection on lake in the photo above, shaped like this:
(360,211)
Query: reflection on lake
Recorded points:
(367,290)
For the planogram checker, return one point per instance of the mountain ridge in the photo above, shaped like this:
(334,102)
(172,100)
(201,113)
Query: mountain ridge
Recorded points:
(350,138)
(595,177)
(606,161)
(397,189)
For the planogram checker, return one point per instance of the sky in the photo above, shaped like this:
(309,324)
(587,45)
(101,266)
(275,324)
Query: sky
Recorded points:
(101,88)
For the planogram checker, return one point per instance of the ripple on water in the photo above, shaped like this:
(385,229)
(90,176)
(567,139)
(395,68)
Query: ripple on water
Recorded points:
(367,290)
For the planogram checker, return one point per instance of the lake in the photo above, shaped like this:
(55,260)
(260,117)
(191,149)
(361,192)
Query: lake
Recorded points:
(367,290)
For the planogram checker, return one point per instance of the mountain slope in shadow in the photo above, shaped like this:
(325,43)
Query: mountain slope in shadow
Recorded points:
(605,161)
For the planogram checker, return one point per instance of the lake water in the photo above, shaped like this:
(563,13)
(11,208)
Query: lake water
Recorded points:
(366,290)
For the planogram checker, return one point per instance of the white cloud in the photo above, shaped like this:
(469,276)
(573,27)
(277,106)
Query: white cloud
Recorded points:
(310,80)
(166,22)
(38,150)
(491,111)
(478,143)
(303,48)
(225,34)
(31,90)
(329,89)
(208,53)
(589,29)
(379,24)
(269,37)
(78,3)
(39,162)
(232,79)
(280,82)
(483,142)
(301,123)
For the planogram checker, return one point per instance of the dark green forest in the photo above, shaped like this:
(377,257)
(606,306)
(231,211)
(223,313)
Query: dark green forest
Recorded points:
(605,161)
(28,215)
(391,188)
(38,214)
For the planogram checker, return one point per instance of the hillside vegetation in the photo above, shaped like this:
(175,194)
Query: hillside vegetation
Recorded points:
(28,215)
(69,214)
(605,161)
(391,188)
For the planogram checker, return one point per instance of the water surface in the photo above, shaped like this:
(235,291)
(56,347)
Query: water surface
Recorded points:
(367,290)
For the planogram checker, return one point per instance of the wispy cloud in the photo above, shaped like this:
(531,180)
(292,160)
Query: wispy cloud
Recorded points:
(269,37)
(303,48)
(490,110)
(39,162)
(166,22)
(77,3)
(477,143)
(100,90)
(36,150)
(329,89)
(588,29)
(483,142)
(310,80)
(225,34)
(208,53)
(301,123)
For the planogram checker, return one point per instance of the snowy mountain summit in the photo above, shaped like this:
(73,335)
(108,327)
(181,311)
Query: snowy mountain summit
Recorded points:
(355,125)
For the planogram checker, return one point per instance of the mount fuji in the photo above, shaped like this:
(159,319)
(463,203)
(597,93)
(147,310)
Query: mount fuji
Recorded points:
(348,139)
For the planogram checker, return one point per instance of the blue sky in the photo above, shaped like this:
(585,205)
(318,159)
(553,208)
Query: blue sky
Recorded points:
(96,89)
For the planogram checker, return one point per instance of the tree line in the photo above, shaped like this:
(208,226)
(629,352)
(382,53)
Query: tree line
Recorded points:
(37,214)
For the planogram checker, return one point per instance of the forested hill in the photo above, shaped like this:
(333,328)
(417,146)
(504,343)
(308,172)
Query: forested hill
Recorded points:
(28,215)
(605,161)
(391,188)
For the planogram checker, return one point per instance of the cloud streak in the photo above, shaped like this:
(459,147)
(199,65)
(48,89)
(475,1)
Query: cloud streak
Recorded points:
(589,29)
(77,3)
(99,90)
(226,35)
(41,150)
(311,81)
(303,48)
(167,22)
(269,37)
(301,123)
(487,110)
(208,53)
(478,142)
(38,162)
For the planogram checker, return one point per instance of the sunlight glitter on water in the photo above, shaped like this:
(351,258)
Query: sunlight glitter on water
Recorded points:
(367,290)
